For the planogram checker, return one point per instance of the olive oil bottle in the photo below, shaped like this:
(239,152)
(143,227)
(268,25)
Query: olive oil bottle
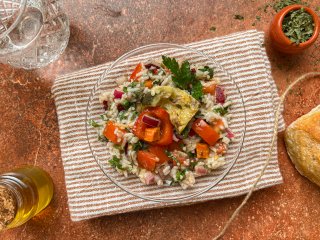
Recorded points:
(24,192)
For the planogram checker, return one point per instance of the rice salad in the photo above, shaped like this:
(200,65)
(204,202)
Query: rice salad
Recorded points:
(167,122)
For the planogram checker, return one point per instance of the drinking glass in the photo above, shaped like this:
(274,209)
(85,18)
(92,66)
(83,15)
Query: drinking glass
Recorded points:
(33,33)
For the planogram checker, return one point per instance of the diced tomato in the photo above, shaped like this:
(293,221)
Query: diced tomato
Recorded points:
(138,69)
(211,89)
(147,160)
(205,131)
(109,132)
(202,150)
(166,127)
(160,153)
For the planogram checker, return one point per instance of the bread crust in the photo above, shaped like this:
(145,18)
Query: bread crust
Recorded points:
(302,140)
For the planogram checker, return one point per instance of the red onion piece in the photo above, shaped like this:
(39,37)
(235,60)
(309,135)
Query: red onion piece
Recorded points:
(149,178)
(117,94)
(200,170)
(151,66)
(105,105)
(192,133)
(220,97)
(120,107)
(175,138)
(230,134)
(151,121)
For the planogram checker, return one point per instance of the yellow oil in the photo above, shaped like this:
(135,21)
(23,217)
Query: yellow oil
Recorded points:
(33,189)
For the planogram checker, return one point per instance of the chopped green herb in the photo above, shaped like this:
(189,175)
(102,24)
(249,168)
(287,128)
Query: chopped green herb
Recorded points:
(266,6)
(186,130)
(103,117)
(170,155)
(222,110)
(258,18)
(156,82)
(139,146)
(207,69)
(191,155)
(298,26)
(238,17)
(213,29)
(102,138)
(126,104)
(125,89)
(121,115)
(115,162)
(277,6)
(180,175)
(193,164)
(94,124)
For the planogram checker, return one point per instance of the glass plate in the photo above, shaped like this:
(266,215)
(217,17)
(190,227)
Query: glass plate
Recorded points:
(123,66)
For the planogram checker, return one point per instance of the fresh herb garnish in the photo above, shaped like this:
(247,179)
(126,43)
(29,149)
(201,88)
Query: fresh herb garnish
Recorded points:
(186,130)
(238,17)
(103,117)
(156,82)
(191,155)
(115,162)
(121,115)
(139,146)
(258,18)
(183,77)
(298,26)
(125,89)
(192,164)
(222,110)
(126,104)
(213,29)
(94,124)
(207,69)
(180,175)
(102,138)
(197,90)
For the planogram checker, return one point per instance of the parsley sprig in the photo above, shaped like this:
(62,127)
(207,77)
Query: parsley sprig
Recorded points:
(183,77)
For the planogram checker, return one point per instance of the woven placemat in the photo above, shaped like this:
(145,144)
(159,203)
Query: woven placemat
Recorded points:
(91,194)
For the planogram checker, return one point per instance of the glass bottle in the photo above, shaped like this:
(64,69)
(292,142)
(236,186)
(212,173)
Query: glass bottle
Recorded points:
(30,189)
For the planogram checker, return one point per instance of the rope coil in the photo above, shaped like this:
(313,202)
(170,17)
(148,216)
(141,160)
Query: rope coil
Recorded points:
(274,137)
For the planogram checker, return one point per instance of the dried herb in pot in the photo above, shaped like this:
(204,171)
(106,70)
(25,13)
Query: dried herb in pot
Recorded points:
(298,26)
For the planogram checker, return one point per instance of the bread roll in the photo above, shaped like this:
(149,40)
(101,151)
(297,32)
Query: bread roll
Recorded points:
(302,140)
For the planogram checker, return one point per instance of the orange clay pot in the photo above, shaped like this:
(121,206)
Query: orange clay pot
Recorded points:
(281,42)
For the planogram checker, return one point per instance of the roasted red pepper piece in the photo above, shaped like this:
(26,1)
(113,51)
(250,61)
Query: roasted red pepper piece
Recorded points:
(138,69)
(205,131)
(147,160)
(166,127)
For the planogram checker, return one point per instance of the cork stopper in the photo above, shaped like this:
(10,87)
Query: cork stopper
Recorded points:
(8,207)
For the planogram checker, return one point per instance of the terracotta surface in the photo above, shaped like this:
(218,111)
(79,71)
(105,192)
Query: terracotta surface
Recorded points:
(29,130)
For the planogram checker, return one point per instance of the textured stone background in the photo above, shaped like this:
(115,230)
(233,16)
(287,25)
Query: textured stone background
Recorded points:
(103,30)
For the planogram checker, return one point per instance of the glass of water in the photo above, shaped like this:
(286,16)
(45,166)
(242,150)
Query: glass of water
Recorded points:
(33,33)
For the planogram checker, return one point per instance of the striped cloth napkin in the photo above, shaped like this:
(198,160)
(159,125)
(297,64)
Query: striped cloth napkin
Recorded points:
(91,194)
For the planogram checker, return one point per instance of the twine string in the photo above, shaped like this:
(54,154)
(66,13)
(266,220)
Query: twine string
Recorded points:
(274,137)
